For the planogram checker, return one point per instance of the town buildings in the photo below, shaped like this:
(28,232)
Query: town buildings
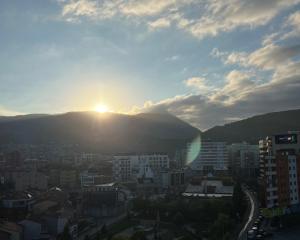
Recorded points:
(132,167)
(103,200)
(23,179)
(68,178)
(209,188)
(10,231)
(280,170)
(90,178)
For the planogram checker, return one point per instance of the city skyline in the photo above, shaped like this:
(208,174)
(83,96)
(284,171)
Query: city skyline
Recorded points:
(206,62)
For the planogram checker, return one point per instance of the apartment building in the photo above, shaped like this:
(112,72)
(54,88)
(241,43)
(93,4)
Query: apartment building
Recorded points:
(24,179)
(280,170)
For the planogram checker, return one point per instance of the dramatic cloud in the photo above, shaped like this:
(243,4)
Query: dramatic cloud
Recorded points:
(211,18)
(269,57)
(237,84)
(223,16)
(204,112)
(242,95)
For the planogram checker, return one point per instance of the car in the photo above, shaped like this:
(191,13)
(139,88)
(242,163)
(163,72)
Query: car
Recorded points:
(259,236)
(255,229)
(251,234)
(257,222)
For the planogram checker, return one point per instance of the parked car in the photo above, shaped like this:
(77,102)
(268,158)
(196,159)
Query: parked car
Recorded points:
(251,234)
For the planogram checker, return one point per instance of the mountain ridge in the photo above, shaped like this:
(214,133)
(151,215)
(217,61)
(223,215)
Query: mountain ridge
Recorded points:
(255,128)
(109,132)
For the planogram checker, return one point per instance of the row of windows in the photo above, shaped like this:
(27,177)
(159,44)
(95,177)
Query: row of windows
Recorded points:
(291,183)
(291,191)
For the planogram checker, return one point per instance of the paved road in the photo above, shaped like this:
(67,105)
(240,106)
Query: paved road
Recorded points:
(252,215)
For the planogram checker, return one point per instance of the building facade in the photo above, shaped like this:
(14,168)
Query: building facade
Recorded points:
(280,170)
(243,159)
(212,158)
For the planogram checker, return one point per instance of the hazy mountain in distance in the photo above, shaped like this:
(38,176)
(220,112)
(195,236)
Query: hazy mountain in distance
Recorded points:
(21,117)
(109,132)
(255,128)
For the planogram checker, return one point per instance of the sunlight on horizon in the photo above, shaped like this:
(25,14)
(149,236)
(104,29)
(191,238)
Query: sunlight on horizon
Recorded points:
(102,108)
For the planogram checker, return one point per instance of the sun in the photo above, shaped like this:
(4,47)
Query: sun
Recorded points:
(102,108)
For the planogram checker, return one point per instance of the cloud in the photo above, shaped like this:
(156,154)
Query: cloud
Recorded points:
(242,95)
(200,84)
(268,57)
(145,7)
(237,84)
(290,28)
(101,9)
(160,23)
(211,18)
(172,58)
(293,22)
(223,16)
(205,112)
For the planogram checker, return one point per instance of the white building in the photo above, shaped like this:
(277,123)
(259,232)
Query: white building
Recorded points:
(209,188)
(131,167)
(211,157)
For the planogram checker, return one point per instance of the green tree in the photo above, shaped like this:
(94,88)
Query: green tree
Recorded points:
(139,235)
(104,229)
(238,200)
(221,228)
(178,219)
(120,238)
(66,233)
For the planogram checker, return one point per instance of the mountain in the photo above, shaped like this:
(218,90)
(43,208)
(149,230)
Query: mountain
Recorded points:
(108,132)
(255,128)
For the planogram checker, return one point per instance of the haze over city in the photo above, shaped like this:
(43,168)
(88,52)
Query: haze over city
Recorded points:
(149,119)
(207,62)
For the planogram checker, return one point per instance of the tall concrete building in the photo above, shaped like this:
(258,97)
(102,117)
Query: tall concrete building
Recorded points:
(280,170)
(243,159)
(210,157)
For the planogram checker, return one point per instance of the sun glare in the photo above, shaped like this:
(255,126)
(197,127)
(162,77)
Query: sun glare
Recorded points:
(101,108)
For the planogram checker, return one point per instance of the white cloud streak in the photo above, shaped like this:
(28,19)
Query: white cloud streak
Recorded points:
(213,16)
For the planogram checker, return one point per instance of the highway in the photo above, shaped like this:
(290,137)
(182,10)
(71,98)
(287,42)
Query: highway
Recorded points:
(252,215)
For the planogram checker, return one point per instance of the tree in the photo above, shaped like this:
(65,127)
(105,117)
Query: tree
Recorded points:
(66,233)
(104,229)
(178,219)
(140,235)
(221,228)
(238,199)
(120,238)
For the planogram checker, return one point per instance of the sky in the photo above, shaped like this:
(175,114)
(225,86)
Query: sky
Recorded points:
(207,62)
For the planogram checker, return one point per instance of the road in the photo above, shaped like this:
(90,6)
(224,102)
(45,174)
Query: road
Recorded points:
(252,215)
